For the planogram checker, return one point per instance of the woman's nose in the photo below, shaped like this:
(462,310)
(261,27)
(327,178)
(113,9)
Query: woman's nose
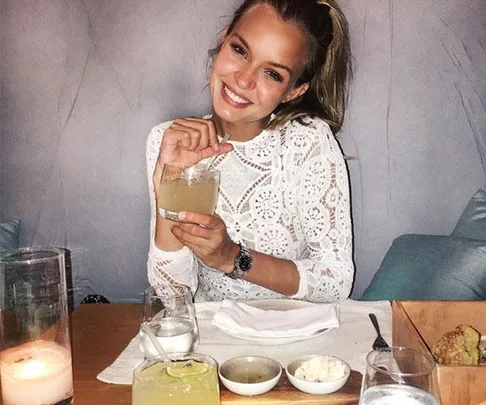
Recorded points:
(245,77)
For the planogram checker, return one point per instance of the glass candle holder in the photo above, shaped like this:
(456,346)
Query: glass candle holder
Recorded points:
(35,351)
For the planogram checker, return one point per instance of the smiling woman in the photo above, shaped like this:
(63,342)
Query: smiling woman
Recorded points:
(282,225)
(256,70)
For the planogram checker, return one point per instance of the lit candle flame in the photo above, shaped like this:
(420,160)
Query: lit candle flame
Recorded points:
(31,369)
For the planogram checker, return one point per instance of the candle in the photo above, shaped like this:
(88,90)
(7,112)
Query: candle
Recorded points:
(36,373)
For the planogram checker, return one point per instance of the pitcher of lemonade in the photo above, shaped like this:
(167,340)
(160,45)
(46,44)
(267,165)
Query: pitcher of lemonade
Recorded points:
(188,379)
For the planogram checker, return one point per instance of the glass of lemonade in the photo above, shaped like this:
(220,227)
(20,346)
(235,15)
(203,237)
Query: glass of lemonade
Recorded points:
(399,375)
(170,314)
(188,189)
(188,379)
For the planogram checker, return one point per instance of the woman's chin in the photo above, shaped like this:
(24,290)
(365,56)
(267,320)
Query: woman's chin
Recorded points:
(228,115)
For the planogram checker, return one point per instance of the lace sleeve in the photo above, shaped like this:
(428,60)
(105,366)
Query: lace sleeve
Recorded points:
(165,267)
(324,207)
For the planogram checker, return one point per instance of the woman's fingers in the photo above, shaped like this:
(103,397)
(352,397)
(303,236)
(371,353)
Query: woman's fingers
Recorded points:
(193,236)
(208,128)
(202,132)
(176,136)
(191,217)
(207,237)
(197,226)
(190,140)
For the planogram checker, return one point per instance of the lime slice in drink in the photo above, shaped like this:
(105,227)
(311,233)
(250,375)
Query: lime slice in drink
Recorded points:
(186,368)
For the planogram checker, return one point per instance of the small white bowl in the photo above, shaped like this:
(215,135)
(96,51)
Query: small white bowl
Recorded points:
(313,387)
(250,375)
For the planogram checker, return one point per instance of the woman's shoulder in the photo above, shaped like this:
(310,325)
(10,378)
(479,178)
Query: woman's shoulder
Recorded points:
(309,131)
(306,124)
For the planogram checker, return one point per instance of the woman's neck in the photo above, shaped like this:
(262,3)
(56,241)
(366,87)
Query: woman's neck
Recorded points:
(241,131)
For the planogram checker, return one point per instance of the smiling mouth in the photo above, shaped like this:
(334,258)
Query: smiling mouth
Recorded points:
(234,98)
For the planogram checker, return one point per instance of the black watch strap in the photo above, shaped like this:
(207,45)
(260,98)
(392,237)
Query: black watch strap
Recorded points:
(243,263)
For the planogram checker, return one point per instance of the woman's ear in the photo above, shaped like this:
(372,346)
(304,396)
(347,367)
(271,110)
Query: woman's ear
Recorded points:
(296,92)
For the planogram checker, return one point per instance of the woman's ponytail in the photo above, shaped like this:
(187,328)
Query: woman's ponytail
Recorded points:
(331,80)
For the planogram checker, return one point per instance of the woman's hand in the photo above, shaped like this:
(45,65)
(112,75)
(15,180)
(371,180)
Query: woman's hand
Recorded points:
(186,142)
(207,237)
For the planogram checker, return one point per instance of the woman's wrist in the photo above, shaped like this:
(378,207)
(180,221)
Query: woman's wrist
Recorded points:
(229,264)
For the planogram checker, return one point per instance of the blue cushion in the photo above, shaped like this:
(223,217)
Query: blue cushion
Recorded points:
(472,223)
(9,234)
(429,267)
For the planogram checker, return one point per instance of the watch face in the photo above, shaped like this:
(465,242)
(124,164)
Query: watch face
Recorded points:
(245,262)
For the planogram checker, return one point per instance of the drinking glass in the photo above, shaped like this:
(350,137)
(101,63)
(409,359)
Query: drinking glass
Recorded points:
(193,188)
(170,314)
(190,378)
(35,348)
(398,375)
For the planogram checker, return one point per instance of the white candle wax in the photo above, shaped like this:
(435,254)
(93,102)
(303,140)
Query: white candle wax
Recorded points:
(36,373)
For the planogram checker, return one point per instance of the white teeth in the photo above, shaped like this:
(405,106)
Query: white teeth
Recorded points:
(234,97)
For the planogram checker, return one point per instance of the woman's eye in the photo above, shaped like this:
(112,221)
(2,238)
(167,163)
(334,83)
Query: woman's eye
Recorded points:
(274,75)
(238,49)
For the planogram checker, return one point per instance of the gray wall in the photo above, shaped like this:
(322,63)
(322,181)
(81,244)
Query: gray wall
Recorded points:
(84,81)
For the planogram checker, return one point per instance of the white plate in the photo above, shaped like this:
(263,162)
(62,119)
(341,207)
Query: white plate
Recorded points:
(278,305)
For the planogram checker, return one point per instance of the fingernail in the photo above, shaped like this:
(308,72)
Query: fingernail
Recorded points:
(215,147)
(182,216)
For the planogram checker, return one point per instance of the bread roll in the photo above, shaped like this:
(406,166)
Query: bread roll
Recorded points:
(459,346)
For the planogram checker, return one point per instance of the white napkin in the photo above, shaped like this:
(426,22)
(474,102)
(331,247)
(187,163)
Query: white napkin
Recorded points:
(242,319)
(121,370)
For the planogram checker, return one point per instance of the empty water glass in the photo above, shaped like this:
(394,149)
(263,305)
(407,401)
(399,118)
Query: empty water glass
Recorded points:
(398,375)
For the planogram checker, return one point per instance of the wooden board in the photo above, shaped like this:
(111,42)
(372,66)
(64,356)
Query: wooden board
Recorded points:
(285,394)
(100,332)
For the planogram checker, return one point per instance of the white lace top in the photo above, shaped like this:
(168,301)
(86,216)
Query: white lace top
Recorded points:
(284,193)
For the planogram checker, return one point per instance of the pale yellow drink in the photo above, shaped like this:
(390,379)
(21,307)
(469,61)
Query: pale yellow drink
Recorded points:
(194,189)
(191,380)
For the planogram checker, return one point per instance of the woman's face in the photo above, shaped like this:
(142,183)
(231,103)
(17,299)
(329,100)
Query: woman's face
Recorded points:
(257,67)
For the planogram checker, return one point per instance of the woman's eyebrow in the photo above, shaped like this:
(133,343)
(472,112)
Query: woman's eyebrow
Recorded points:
(274,64)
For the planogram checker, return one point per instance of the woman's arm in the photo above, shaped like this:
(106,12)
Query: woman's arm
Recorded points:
(325,215)
(268,271)
(183,142)
(174,263)
(324,207)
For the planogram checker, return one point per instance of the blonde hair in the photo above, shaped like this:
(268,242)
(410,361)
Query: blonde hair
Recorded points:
(328,65)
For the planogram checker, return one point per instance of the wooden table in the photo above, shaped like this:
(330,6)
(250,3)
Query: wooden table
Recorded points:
(100,332)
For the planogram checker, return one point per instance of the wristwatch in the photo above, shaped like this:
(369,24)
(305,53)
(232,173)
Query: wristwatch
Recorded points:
(243,263)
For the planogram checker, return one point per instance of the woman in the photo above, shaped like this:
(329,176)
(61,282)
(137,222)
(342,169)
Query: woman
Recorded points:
(282,225)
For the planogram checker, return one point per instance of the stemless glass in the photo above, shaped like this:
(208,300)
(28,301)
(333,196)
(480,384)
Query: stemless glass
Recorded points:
(398,375)
(170,314)
(193,188)
(190,378)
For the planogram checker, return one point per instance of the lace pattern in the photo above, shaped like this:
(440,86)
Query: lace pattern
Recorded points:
(284,193)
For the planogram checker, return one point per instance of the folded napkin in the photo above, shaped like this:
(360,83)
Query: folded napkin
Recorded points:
(121,370)
(245,320)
